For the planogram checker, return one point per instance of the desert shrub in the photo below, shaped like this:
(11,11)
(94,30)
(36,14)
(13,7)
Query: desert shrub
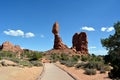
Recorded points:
(54,57)
(36,63)
(90,71)
(35,56)
(70,63)
(7,54)
(84,58)
(62,62)
(31,55)
(99,65)
(16,60)
(67,63)
(26,54)
(25,63)
(90,65)
(75,58)
(107,68)
(102,70)
(94,65)
(80,65)
(96,58)
(64,57)
(0,57)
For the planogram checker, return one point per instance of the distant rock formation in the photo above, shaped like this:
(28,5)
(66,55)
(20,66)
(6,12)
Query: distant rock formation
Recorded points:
(58,44)
(80,43)
(7,46)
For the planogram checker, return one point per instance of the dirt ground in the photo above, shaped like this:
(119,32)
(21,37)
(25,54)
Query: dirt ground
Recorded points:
(17,73)
(79,74)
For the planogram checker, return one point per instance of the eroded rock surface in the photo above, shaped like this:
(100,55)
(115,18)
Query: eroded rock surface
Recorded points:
(58,44)
(80,42)
(7,46)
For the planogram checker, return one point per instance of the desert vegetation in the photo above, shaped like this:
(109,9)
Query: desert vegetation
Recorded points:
(90,63)
(27,58)
(112,44)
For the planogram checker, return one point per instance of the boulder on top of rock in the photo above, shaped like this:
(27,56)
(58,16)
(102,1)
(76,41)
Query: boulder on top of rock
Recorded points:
(58,44)
(55,29)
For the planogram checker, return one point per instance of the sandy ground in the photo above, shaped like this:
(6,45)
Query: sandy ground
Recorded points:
(79,74)
(17,73)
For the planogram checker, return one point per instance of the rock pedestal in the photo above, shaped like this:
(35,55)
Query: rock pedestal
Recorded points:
(58,44)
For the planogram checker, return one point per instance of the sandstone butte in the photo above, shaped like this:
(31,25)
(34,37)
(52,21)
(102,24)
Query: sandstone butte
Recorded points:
(80,42)
(7,46)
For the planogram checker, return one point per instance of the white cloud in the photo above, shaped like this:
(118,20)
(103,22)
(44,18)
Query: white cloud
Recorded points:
(88,28)
(14,32)
(21,33)
(92,47)
(29,34)
(103,29)
(42,36)
(110,29)
(107,29)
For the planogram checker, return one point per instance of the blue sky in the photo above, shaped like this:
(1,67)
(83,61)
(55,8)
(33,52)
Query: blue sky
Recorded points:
(28,23)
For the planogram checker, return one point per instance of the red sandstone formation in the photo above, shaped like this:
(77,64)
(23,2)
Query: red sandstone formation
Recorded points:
(58,44)
(80,42)
(7,46)
(55,29)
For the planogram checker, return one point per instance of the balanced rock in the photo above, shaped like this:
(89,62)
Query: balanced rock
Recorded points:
(55,29)
(80,42)
(58,44)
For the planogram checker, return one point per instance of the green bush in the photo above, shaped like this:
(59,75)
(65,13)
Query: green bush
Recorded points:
(32,55)
(62,62)
(69,64)
(25,63)
(67,60)
(16,60)
(0,57)
(84,58)
(54,57)
(36,63)
(64,57)
(90,71)
(75,58)
(94,65)
(80,65)
(36,56)
(7,54)
(90,65)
